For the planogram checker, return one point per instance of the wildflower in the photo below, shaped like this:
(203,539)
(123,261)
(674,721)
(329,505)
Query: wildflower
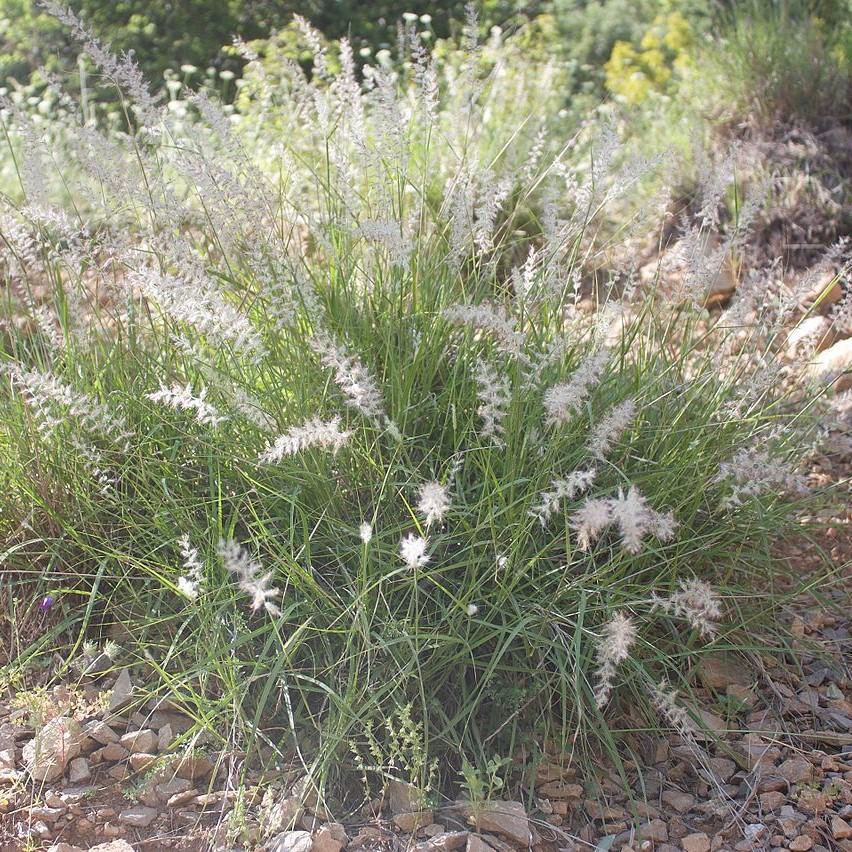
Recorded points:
(190,583)
(434,502)
(574,484)
(665,703)
(636,519)
(494,393)
(412,549)
(696,602)
(182,398)
(248,572)
(753,472)
(365,531)
(618,635)
(472,610)
(353,379)
(492,319)
(46,604)
(563,401)
(590,520)
(630,512)
(313,433)
(609,431)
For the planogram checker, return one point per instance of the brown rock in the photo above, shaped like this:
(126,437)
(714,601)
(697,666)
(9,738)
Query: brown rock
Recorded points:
(140,761)
(138,817)
(772,801)
(410,822)
(698,842)
(476,844)
(100,732)
(834,365)
(79,770)
(291,841)
(796,770)
(404,798)
(801,843)
(655,830)
(47,754)
(719,670)
(144,741)
(178,800)
(840,829)
(678,800)
(330,837)
(559,790)
(447,841)
(113,846)
(508,819)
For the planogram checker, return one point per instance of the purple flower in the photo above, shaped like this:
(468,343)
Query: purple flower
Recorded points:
(46,603)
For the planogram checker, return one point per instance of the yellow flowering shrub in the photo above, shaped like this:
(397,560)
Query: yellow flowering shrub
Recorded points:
(633,72)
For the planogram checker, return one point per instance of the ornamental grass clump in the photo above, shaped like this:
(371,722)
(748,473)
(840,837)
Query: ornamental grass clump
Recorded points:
(366,448)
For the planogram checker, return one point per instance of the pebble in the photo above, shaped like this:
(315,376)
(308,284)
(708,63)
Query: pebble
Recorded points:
(79,770)
(796,769)
(801,843)
(138,817)
(840,829)
(144,741)
(698,842)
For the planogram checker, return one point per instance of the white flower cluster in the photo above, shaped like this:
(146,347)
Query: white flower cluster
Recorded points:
(249,575)
(617,637)
(495,394)
(190,583)
(314,433)
(44,393)
(753,472)
(494,320)
(412,550)
(433,503)
(564,401)
(183,399)
(630,513)
(696,602)
(200,305)
(568,488)
(353,378)
(610,430)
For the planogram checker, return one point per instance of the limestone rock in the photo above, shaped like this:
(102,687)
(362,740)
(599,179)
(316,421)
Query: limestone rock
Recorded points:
(50,750)
(291,841)
(698,842)
(138,817)
(508,819)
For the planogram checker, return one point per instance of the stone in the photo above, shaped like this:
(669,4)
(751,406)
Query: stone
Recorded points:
(330,837)
(47,754)
(141,761)
(79,770)
(772,801)
(404,798)
(796,770)
(122,691)
(812,334)
(45,813)
(655,830)
(722,767)
(165,737)
(144,741)
(112,752)
(193,766)
(291,841)
(610,813)
(840,829)
(719,670)
(410,822)
(139,816)
(678,800)
(476,844)
(508,819)
(64,847)
(446,841)
(178,800)
(833,366)
(801,843)
(547,772)
(698,842)
(119,771)
(558,790)
(172,787)
(113,846)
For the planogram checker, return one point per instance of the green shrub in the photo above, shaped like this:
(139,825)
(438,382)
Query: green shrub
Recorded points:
(328,443)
